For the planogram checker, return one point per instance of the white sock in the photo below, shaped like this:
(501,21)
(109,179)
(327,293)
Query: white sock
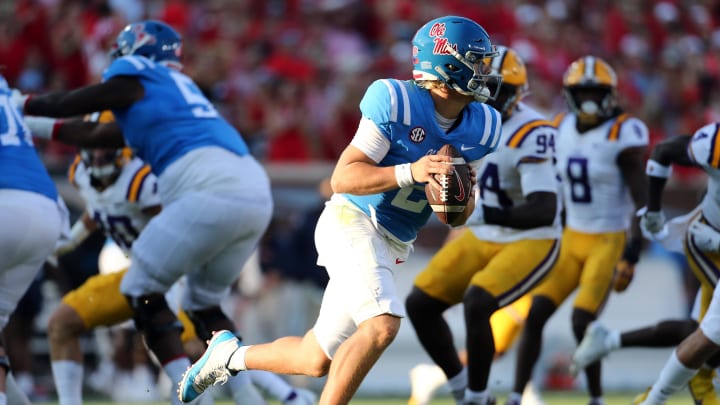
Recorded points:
(68,378)
(13,393)
(673,377)
(237,359)
(479,397)
(271,383)
(458,383)
(175,370)
(612,340)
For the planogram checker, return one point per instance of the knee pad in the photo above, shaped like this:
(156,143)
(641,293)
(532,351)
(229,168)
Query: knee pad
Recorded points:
(153,317)
(206,321)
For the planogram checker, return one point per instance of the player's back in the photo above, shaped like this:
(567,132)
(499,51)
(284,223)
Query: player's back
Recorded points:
(119,207)
(20,165)
(405,115)
(527,139)
(596,199)
(173,118)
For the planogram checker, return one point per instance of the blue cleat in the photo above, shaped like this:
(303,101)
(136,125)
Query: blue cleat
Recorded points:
(211,368)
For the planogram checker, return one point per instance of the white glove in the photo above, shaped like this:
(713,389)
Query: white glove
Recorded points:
(19,99)
(651,222)
(705,237)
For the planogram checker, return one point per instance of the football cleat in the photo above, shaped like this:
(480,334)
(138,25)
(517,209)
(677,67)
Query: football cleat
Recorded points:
(211,368)
(425,379)
(702,388)
(591,349)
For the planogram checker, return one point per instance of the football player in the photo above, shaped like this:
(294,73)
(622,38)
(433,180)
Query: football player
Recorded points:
(121,197)
(511,242)
(31,215)
(379,204)
(600,158)
(215,196)
(696,355)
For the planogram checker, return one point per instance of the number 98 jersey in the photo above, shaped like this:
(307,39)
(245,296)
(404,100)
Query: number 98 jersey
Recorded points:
(118,209)
(596,198)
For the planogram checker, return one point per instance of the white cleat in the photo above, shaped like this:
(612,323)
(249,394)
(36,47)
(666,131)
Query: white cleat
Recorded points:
(425,380)
(211,368)
(591,349)
(531,395)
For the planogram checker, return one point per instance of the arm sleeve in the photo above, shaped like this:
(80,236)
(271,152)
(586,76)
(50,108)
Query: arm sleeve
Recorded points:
(370,140)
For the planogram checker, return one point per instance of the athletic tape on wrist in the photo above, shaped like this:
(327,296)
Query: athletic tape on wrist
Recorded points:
(655,169)
(403,175)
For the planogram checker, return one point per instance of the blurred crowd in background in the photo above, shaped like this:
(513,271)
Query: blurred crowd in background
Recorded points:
(289,74)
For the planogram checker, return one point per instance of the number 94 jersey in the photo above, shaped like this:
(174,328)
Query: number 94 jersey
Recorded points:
(596,198)
(118,208)
(523,164)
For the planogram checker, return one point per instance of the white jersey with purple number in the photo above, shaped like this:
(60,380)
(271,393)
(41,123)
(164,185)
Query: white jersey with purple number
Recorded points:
(704,149)
(596,198)
(118,208)
(523,164)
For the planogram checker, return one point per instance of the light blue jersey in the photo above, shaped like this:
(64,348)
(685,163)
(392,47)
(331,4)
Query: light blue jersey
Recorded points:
(20,166)
(173,118)
(405,114)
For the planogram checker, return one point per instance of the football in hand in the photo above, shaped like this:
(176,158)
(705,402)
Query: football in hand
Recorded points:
(450,202)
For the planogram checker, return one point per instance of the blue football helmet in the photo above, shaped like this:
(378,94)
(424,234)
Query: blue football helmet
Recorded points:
(456,50)
(154,40)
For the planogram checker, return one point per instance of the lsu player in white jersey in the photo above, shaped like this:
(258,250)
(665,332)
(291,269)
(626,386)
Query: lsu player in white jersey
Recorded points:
(511,242)
(121,197)
(31,215)
(379,204)
(601,161)
(698,353)
(215,196)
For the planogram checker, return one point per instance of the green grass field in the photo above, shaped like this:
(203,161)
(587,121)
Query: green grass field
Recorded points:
(554,398)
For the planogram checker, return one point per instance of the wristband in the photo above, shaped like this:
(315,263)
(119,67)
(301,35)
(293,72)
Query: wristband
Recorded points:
(403,175)
(43,127)
(655,169)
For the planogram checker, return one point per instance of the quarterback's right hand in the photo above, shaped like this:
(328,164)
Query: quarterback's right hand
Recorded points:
(652,222)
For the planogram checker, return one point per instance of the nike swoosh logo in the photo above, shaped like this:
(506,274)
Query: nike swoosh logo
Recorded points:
(464,148)
(398,261)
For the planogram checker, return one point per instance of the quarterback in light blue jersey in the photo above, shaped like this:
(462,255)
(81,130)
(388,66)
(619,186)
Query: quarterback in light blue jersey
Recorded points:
(215,196)
(379,204)
(31,215)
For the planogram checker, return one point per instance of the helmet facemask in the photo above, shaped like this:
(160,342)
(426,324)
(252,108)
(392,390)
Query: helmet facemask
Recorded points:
(591,104)
(104,165)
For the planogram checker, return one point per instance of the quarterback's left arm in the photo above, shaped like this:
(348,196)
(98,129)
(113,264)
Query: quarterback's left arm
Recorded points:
(631,162)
